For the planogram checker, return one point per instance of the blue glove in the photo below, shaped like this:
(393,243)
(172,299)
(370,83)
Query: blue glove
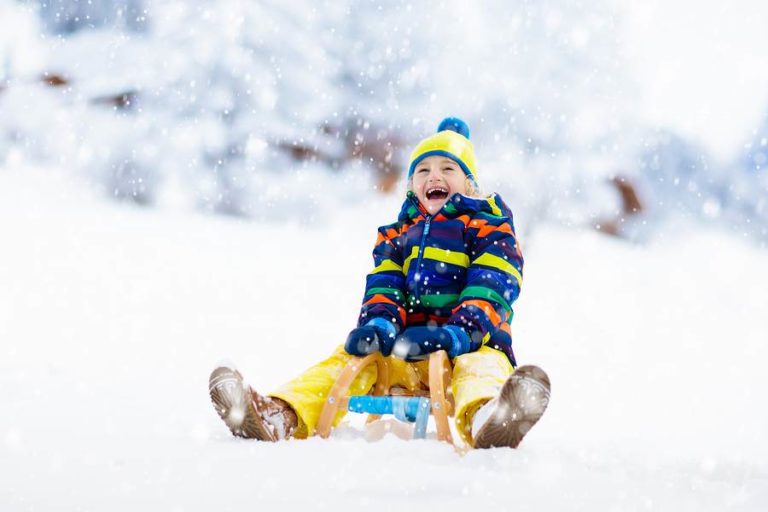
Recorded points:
(416,343)
(378,335)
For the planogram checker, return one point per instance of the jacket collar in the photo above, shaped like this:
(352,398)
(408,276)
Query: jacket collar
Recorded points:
(456,206)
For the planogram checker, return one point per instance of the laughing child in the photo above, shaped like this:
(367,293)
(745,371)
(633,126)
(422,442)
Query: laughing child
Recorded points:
(445,276)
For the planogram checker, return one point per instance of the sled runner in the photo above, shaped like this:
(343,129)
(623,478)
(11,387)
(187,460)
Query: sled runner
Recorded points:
(414,408)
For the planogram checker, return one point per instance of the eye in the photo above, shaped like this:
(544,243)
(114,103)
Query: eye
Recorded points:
(422,169)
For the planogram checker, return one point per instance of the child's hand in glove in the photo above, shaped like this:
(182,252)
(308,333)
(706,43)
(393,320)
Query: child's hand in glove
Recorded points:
(378,335)
(416,343)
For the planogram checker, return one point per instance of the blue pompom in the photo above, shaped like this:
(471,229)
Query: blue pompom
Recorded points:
(455,125)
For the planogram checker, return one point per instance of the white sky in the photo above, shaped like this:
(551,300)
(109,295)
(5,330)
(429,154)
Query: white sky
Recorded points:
(702,66)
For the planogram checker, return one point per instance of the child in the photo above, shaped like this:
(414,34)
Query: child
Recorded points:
(445,277)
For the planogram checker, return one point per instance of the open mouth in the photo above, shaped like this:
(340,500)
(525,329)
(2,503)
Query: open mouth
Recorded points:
(437,193)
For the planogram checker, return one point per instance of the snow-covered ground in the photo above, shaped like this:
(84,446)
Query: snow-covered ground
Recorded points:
(111,318)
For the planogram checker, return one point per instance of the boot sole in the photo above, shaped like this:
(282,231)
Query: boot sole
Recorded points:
(522,401)
(232,400)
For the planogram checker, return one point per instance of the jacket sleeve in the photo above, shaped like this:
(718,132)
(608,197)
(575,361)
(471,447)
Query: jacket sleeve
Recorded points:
(385,284)
(494,277)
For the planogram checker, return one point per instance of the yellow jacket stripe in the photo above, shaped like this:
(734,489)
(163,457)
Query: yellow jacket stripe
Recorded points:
(386,266)
(489,260)
(494,207)
(433,253)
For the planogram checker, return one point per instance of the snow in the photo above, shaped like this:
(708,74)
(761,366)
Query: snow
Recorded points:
(560,99)
(701,66)
(113,314)
(112,317)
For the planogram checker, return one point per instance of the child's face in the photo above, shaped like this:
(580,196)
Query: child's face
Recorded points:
(435,179)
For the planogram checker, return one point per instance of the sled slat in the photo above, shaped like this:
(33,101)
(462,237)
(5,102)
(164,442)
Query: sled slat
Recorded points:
(340,388)
(440,373)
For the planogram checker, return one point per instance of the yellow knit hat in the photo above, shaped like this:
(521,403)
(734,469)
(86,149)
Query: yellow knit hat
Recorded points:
(451,140)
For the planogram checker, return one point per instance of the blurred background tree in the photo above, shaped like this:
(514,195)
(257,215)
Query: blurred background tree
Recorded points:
(266,109)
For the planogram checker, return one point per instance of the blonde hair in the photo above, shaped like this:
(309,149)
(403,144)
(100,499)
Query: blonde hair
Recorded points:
(472,188)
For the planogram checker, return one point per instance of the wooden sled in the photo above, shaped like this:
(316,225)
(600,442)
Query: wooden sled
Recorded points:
(413,408)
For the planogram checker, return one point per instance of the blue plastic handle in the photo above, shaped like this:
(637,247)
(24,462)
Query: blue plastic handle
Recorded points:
(405,408)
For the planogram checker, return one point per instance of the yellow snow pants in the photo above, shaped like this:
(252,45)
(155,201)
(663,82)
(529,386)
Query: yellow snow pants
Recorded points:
(477,377)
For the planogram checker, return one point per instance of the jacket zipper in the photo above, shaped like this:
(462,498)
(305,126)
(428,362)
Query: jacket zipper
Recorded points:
(421,254)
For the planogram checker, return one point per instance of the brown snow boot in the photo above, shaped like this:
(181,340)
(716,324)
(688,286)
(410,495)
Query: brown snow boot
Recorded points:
(506,419)
(247,413)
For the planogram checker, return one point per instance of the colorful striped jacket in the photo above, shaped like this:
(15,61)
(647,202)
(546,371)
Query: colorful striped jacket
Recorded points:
(461,266)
